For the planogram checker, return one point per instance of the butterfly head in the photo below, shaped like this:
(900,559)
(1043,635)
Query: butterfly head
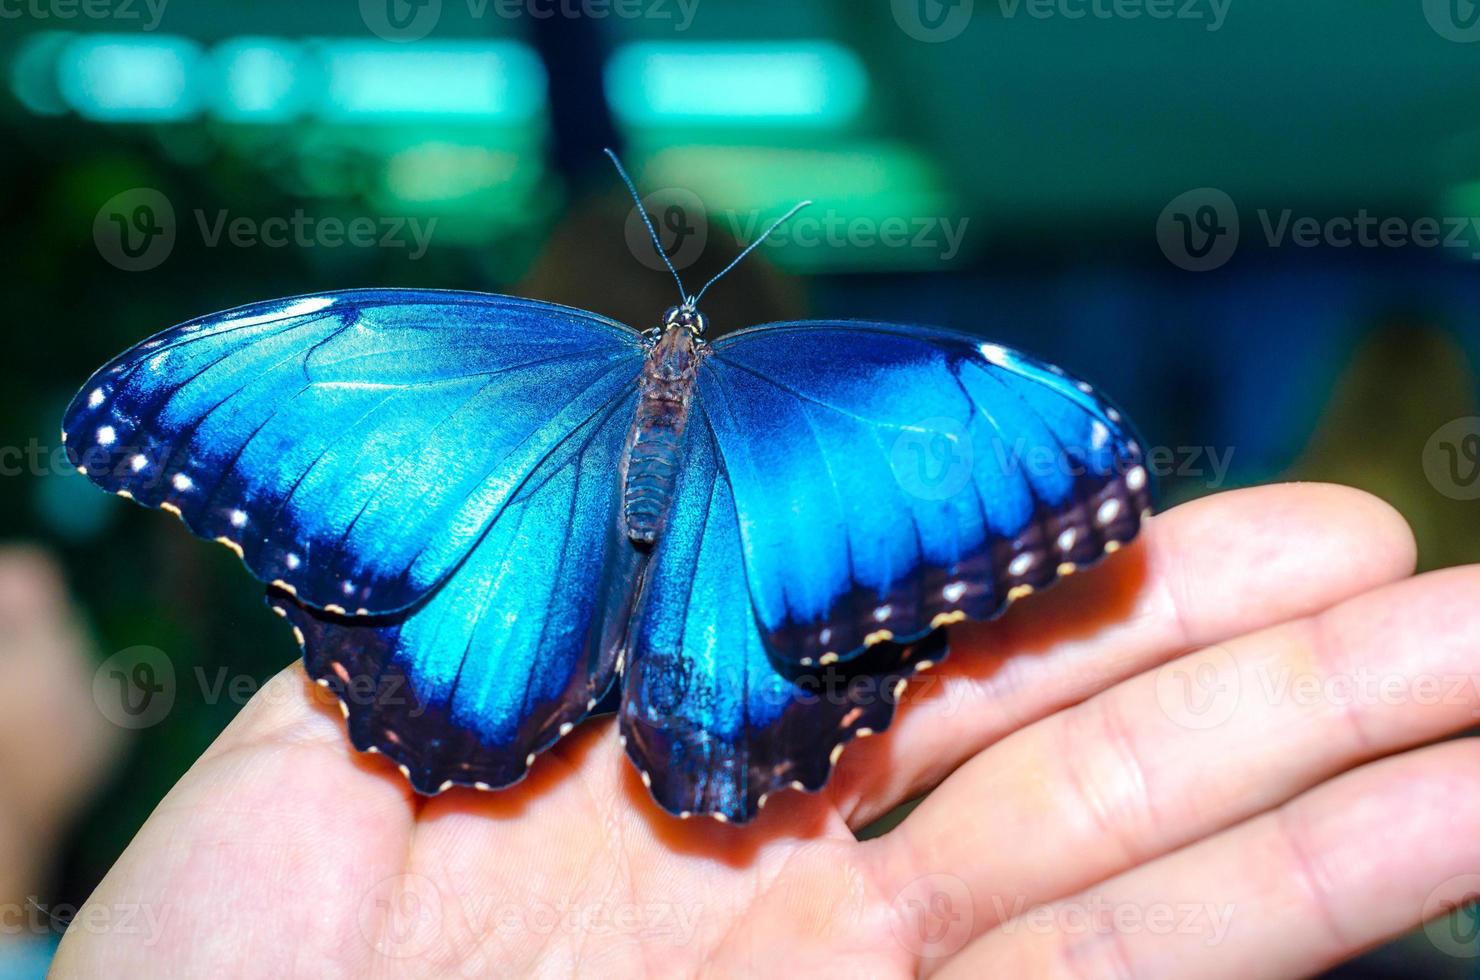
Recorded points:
(687,317)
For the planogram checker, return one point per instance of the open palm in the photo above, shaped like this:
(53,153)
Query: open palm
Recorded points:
(1164,767)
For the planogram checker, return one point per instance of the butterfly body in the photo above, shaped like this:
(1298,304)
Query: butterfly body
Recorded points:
(652,455)
(485,516)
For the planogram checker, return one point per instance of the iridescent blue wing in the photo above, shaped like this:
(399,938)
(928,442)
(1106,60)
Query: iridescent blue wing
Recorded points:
(517,646)
(351,446)
(710,720)
(426,479)
(888,479)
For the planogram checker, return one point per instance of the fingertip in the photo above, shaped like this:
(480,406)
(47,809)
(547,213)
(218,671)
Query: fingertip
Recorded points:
(1386,540)
(1289,548)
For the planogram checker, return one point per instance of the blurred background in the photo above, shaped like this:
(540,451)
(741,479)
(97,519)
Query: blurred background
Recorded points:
(1255,223)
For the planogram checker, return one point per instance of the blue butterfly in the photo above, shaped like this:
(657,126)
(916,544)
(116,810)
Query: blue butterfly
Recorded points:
(487,517)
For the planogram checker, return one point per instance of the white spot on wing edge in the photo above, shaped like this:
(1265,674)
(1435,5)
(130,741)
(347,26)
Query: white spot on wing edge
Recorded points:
(308,304)
(996,354)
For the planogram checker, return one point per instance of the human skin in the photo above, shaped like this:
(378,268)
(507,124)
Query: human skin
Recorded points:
(1100,803)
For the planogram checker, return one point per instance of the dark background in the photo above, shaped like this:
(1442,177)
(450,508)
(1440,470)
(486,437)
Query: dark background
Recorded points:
(1118,193)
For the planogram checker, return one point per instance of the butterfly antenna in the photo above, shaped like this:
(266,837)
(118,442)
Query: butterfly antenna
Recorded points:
(683,293)
(748,249)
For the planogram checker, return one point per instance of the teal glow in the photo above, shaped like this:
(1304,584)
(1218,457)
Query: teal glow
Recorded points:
(122,78)
(33,73)
(804,83)
(875,205)
(258,80)
(475,80)
(435,171)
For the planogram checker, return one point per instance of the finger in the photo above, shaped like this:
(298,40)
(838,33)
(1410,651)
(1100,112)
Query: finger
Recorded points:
(1350,864)
(1202,573)
(1134,773)
(279,820)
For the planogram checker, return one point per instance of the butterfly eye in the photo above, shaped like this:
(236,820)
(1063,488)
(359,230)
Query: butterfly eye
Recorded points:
(683,316)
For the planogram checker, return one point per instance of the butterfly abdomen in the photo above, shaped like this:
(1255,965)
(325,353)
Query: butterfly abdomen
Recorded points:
(651,460)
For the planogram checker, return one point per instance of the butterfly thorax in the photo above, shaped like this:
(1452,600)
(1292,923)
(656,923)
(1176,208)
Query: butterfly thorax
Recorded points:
(651,458)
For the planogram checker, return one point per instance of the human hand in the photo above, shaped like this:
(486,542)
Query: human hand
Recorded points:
(1130,777)
(54,744)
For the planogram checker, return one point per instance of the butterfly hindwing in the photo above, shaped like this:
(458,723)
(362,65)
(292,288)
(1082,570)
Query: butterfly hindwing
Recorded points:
(517,645)
(353,446)
(709,718)
(889,480)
